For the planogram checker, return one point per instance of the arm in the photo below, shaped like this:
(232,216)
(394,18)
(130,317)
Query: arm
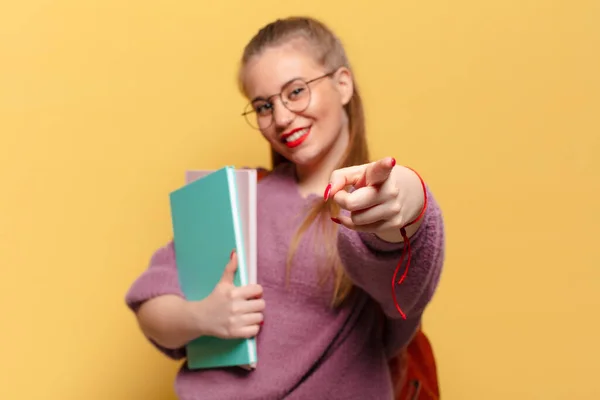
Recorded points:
(159,305)
(370,263)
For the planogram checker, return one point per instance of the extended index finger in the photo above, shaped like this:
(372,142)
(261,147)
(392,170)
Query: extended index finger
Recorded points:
(378,171)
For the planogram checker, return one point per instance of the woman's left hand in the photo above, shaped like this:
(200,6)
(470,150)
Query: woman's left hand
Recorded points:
(386,198)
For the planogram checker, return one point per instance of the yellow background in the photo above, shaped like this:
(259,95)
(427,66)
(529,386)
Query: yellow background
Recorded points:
(104,104)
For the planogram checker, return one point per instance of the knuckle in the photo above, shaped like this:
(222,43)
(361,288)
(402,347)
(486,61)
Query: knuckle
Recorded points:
(334,175)
(349,203)
(395,207)
(356,218)
(398,221)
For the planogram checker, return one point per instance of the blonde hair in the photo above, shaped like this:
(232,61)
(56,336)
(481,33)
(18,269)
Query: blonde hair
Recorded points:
(329,52)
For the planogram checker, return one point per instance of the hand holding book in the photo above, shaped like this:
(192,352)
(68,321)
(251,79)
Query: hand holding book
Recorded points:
(232,312)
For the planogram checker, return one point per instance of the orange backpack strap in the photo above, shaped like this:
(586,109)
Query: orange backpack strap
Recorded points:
(414,371)
(261,173)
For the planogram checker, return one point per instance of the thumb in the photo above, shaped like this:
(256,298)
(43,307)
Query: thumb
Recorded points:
(377,172)
(230,268)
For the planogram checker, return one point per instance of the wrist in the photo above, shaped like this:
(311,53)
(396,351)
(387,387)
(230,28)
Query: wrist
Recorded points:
(417,198)
(417,194)
(390,236)
(195,313)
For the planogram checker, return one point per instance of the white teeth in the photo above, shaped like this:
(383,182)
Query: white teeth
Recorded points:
(296,135)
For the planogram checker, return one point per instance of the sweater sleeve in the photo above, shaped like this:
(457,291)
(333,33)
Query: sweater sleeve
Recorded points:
(370,263)
(160,278)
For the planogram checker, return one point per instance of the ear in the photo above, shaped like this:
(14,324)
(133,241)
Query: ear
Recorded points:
(344,84)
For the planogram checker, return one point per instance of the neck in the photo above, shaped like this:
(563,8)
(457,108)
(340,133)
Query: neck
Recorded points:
(313,178)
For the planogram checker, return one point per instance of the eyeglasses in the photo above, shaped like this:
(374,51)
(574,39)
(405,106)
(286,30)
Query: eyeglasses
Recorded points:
(295,96)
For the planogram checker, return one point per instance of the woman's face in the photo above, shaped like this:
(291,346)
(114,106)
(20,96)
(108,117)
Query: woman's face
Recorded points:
(298,105)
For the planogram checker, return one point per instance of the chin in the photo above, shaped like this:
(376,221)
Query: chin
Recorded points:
(305,158)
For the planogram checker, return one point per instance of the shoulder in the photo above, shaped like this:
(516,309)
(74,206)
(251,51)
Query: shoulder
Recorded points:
(164,255)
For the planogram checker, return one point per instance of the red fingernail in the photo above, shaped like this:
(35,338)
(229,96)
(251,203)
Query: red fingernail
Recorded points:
(262,323)
(393,162)
(327,191)
(337,221)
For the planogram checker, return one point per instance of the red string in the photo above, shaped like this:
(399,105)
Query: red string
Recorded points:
(406,251)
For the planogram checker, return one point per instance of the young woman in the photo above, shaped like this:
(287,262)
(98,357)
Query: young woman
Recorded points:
(329,312)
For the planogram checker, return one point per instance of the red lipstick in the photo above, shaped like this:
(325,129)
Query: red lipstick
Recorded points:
(295,137)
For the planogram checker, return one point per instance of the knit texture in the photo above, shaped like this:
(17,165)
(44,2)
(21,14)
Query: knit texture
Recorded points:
(306,348)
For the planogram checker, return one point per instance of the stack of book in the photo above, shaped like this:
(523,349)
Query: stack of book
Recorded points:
(213,214)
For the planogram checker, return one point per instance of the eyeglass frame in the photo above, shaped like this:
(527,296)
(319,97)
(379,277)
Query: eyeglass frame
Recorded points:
(268,98)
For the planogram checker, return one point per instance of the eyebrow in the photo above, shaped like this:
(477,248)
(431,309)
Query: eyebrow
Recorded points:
(282,86)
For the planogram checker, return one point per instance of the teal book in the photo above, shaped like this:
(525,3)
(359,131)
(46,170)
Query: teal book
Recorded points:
(211,216)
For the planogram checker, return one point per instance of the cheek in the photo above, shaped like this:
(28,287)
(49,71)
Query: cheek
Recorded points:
(327,111)
(332,119)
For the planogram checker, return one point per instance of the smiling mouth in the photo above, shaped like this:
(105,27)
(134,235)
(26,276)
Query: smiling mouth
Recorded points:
(296,137)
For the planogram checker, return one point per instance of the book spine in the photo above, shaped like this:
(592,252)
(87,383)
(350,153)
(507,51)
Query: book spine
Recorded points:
(253,239)
(239,240)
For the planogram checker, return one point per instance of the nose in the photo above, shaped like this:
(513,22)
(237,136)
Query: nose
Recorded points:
(282,117)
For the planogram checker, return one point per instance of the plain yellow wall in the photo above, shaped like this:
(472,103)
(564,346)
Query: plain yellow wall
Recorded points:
(104,104)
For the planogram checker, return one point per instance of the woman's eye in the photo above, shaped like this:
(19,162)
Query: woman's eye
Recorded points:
(263,108)
(296,92)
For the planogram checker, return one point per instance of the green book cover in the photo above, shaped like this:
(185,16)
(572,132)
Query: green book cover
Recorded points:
(206,228)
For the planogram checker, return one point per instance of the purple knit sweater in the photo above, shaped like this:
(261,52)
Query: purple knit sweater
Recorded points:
(306,349)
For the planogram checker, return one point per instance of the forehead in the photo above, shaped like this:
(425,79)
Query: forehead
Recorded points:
(265,74)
